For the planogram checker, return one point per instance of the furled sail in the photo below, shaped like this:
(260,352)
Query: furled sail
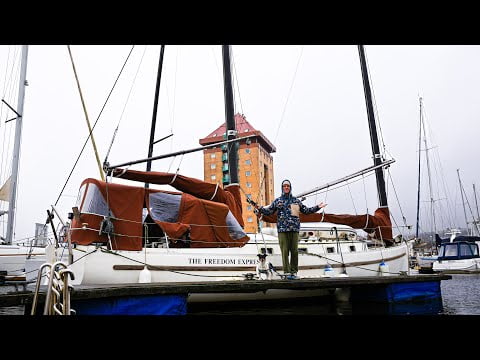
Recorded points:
(378,224)
(229,195)
(183,217)
(5,190)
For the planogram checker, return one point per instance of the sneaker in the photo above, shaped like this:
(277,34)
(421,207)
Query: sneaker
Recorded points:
(292,277)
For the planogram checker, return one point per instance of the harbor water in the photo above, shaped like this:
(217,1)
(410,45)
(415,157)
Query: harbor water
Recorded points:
(460,296)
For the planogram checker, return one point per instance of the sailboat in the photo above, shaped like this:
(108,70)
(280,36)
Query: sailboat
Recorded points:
(13,255)
(123,234)
(459,253)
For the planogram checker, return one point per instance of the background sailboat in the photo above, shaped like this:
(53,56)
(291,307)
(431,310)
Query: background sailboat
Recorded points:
(12,253)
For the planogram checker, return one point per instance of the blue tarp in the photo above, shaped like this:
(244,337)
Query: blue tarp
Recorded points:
(398,292)
(137,305)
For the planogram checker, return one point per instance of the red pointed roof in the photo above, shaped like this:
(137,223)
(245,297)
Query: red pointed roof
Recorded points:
(244,128)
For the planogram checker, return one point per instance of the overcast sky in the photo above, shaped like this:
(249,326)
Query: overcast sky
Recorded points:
(307,100)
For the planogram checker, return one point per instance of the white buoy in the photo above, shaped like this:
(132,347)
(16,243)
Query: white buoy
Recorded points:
(145,276)
(383,269)
(328,271)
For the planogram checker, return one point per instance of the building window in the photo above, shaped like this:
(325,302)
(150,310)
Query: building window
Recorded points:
(250,219)
(247,151)
(249,196)
(249,185)
(249,207)
(213,177)
(213,166)
(248,162)
(213,156)
(248,173)
(247,130)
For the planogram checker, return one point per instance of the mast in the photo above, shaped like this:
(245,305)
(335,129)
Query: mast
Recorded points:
(155,107)
(432,202)
(419,159)
(476,205)
(377,158)
(463,202)
(229,116)
(16,148)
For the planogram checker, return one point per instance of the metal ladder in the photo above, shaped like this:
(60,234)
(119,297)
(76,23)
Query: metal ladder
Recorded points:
(57,299)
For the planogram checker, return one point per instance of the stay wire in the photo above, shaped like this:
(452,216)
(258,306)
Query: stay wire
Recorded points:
(93,127)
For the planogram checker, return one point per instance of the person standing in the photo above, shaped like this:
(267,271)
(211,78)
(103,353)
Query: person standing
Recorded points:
(288,210)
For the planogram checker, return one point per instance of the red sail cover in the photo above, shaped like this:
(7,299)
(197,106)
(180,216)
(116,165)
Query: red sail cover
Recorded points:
(207,223)
(379,223)
(229,196)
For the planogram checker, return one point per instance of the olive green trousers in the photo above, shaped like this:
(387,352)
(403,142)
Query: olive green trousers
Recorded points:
(289,246)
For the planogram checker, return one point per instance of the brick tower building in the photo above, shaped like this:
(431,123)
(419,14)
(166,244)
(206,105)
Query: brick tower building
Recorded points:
(255,166)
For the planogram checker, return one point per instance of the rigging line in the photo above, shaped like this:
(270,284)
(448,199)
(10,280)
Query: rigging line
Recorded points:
(14,73)
(125,104)
(396,196)
(288,96)
(351,197)
(96,121)
(338,187)
(174,97)
(86,114)
(374,103)
(283,113)
(236,80)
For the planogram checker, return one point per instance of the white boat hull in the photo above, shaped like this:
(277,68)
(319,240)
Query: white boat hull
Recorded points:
(97,266)
(13,258)
(460,266)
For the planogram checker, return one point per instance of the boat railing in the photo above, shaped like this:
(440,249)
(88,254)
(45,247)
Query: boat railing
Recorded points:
(57,298)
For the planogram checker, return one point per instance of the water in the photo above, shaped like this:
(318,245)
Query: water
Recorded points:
(460,296)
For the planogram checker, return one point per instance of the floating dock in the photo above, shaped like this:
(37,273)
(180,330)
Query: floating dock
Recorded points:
(381,288)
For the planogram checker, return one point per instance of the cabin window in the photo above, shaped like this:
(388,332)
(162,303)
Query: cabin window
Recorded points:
(465,250)
(164,207)
(330,250)
(94,202)
(352,248)
(81,193)
(474,249)
(450,250)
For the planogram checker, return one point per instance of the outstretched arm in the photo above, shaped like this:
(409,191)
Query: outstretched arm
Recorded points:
(313,209)
(269,210)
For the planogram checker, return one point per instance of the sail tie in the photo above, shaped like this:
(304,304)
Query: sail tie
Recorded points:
(215,192)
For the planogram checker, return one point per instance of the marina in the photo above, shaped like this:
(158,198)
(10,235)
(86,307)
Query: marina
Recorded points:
(130,245)
(383,289)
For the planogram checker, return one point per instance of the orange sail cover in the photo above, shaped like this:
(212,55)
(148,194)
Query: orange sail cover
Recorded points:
(379,223)
(207,223)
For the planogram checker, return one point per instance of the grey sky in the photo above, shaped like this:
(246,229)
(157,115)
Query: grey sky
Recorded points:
(314,114)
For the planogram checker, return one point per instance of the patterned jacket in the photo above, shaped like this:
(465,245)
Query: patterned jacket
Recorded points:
(286,221)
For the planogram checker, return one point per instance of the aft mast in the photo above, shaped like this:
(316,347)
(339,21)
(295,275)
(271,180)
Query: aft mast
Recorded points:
(229,117)
(377,158)
(155,107)
(16,148)
(419,161)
